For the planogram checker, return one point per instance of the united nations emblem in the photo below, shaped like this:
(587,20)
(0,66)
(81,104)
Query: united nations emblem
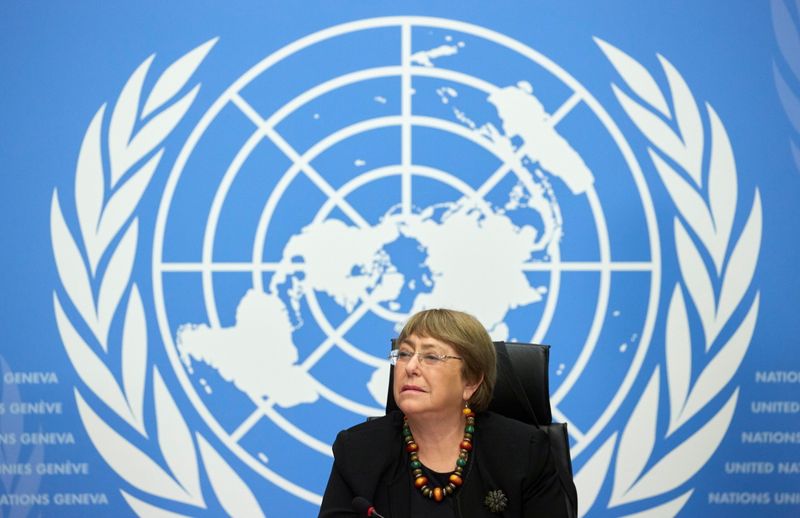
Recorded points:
(319,202)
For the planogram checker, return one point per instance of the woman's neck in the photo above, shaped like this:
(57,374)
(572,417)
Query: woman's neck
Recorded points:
(438,440)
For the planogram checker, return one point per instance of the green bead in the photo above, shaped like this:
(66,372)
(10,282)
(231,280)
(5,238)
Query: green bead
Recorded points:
(416,464)
(461,462)
(469,428)
(406,431)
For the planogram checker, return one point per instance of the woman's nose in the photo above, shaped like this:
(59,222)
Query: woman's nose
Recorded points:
(413,365)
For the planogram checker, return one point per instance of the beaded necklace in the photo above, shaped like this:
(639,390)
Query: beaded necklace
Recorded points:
(456,478)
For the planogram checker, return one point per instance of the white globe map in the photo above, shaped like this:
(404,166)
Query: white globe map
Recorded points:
(289,345)
(353,266)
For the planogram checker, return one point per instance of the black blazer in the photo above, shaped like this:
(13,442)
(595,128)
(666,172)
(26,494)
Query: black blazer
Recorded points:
(370,461)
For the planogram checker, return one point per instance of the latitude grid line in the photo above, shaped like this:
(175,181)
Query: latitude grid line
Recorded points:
(248,267)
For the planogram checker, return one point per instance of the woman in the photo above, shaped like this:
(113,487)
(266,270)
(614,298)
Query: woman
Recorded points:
(443,455)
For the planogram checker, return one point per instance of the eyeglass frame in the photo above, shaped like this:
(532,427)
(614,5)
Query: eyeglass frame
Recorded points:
(422,357)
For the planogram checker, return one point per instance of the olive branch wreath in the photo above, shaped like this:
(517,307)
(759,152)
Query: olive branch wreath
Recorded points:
(708,256)
(95,273)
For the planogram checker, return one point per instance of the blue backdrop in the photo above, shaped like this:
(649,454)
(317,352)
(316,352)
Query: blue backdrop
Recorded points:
(215,217)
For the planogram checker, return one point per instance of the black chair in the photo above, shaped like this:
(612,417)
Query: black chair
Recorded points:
(522,392)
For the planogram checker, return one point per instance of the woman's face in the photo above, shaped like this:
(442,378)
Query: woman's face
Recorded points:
(429,390)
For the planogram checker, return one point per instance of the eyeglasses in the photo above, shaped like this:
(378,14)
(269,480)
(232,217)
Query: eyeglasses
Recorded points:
(428,359)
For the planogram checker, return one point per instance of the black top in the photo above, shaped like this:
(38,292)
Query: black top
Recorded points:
(508,456)
(424,507)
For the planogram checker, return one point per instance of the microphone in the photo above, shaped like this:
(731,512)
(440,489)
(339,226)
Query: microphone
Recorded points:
(364,508)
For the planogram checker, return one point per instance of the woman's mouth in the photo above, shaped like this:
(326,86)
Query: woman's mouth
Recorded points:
(411,388)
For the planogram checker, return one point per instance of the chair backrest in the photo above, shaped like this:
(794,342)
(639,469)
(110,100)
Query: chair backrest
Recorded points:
(522,392)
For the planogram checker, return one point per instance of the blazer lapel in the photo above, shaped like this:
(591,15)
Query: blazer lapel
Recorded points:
(472,492)
(478,483)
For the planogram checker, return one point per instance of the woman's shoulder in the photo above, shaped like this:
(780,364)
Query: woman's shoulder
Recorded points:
(499,422)
(379,429)
(389,421)
(368,446)
(507,430)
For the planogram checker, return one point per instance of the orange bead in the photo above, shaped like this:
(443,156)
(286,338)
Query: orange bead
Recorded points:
(467,411)
(466,445)
(420,481)
(412,446)
(455,479)
(437,494)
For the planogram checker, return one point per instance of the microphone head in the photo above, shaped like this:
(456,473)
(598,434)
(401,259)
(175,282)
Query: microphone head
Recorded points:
(362,505)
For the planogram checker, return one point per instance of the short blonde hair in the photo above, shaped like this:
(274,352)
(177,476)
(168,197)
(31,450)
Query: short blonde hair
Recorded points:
(472,343)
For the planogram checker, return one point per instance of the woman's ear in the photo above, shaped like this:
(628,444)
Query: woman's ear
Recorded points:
(470,388)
